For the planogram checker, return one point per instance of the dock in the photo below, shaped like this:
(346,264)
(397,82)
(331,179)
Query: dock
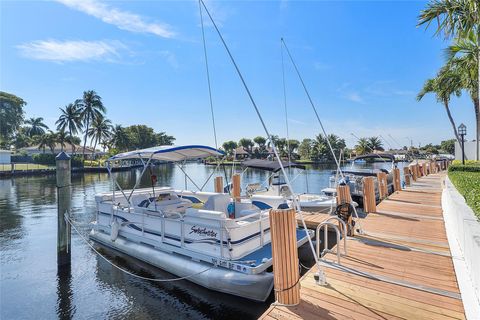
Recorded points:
(399,268)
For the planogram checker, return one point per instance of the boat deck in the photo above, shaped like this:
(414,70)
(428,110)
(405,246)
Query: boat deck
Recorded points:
(400,268)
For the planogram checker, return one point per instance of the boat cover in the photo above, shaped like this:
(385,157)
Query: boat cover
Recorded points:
(170,153)
(270,165)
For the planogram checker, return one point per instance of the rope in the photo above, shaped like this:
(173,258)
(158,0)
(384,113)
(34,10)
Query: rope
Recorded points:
(285,104)
(320,122)
(125,271)
(291,287)
(287,179)
(313,106)
(208,75)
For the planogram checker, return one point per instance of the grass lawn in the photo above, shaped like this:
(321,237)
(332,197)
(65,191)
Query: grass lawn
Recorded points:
(24,166)
(468,184)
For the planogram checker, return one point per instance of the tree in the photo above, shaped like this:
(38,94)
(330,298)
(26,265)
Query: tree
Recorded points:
(321,150)
(460,19)
(163,139)
(229,146)
(46,140)
(35,127)
(140,137)
(463,55)
(11,117)
(22,140)
(90,107)
(62,138)
(261,151)
(120,138)
(448,82)
(70,119)
(448,146)
(99,131)
(246,144)
(292,145)
(362,146)
(260,141)
(375,144)
(305,149)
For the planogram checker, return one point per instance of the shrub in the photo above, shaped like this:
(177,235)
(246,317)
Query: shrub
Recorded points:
(472,167)
(467,162)
(468,184)
(49,159)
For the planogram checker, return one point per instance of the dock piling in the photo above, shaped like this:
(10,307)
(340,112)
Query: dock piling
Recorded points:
(369,201)
(218,184)
(286,273)
(64,195)
(396,180)
(382,185)
(406,173)
(236,187)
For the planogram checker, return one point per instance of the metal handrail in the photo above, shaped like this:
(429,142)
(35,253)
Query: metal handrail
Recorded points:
(338,233)
(325,238)
(344,231)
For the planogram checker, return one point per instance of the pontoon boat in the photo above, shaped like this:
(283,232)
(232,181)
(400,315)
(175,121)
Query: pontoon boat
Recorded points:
(214,241)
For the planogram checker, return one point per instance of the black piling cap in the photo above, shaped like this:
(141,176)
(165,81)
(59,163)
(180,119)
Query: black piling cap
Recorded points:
(62,156)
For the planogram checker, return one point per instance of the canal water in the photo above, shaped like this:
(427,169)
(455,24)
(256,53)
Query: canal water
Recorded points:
(31,288)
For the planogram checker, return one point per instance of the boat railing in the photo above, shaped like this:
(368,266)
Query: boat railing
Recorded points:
(340,233)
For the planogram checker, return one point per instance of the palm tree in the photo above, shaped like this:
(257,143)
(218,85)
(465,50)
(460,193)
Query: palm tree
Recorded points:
(70,119)
(229,146)
(453,17)
(463,55)
(448,82)
(362,146)
(35,127)
(47,140)
(461,19)
(99,131)
(91,107)
(246,144)
(119,138)
(62,139)
(374,143)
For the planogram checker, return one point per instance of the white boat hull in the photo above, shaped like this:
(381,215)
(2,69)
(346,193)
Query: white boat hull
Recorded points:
(251,286)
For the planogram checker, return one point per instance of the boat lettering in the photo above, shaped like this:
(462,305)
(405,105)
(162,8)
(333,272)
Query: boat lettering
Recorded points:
(203,231)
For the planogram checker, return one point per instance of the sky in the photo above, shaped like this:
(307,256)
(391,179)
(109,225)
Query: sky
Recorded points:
(363,63)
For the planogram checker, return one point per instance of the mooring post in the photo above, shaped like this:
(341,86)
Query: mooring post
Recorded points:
(286,273)
(344,196)
(396,180)
(406,173)
(369,201)
(63,198)
(413,169)
(236,187)
(382,185)
(218,185)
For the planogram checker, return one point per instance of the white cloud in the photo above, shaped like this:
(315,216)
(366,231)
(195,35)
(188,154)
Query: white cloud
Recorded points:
(67,51)
(355,97)
(122,19)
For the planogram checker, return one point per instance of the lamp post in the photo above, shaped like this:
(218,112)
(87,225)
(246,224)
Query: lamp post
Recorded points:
(462,131)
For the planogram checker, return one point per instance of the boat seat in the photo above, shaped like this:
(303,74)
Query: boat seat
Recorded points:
(217,202)
(141,200)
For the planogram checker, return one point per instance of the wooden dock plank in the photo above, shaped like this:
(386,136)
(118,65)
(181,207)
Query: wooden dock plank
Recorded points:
(406,247)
